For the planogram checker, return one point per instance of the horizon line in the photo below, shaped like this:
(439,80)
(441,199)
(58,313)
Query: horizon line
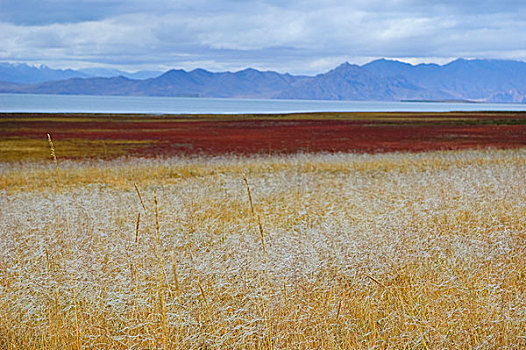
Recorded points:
(264,70)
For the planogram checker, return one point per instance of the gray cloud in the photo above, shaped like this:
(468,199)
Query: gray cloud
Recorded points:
(296,36)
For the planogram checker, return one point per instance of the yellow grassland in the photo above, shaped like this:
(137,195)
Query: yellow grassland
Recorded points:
(14,149)
(332,251)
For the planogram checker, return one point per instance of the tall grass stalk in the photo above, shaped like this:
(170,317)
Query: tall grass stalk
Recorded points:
(70,241)
(140,197)
(137,228)
(161,273)
(256,216)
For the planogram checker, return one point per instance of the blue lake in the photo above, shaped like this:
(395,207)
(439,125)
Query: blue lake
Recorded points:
(177,105)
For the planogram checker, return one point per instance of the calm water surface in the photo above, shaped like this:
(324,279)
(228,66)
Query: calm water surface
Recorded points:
(176,105)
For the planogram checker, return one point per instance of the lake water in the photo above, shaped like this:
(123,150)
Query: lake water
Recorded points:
(176,105)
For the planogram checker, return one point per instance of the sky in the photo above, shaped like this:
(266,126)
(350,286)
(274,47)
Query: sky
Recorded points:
(299,37)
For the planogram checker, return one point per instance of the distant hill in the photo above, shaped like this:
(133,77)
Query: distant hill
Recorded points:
(351,82)
(110,73)
(119,86)
(248,83)
(479,80)
(381,80)
(26,74)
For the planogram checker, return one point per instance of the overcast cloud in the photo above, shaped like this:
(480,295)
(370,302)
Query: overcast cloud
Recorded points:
(288,36)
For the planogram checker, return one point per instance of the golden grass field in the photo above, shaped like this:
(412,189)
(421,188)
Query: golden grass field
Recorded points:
(330,251)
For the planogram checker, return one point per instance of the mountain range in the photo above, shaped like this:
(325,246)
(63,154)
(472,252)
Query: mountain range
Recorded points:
(26,74)
(381,80)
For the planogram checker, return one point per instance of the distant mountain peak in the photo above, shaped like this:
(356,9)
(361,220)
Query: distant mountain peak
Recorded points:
(200,71)
(345,67)
(347,71)
(23,73)
(457,62)
(390,62)
(173,72)
(249,70)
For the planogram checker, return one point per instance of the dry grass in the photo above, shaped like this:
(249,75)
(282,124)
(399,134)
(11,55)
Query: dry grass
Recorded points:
(17,148)
(361,251)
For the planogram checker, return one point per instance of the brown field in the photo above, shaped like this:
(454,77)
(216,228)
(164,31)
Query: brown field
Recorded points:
(245,240)
(23,135)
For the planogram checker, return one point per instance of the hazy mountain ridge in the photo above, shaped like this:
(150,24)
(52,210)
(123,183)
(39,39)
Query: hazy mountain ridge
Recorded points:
(25,74)
(478,80)
(352,82)
(382,80)
(111,73)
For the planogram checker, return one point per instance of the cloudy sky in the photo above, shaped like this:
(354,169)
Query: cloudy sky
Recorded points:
(301,37)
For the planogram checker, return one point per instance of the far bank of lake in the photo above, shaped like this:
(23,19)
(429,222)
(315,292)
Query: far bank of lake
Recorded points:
(195,105)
